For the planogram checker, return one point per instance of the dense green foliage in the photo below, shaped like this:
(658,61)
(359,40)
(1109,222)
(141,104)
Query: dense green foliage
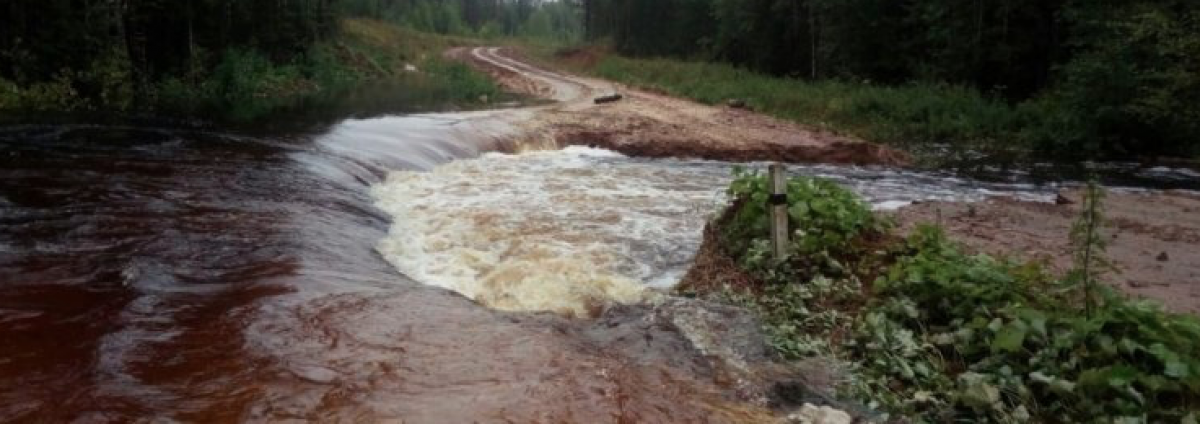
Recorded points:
(559,20)
(939,335)
(916,116)
(824,219)
(1114,76)
(104,49)
(243,59)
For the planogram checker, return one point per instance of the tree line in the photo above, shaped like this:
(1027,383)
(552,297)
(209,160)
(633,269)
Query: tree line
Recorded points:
(485,18)
(1118,76)
(134,54)
(88,44)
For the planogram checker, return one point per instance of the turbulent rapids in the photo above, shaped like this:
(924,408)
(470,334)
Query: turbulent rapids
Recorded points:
(201,276)
(395,268)
(569,230)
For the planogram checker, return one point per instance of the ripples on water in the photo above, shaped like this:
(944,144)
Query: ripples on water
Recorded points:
(202,276)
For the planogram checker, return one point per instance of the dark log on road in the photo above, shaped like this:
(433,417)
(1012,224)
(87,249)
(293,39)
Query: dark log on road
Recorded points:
(609,98)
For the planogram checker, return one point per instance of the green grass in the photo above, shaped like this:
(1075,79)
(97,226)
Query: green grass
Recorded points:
(913,116)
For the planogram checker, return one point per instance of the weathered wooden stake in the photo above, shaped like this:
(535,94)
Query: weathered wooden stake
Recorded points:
(779,213)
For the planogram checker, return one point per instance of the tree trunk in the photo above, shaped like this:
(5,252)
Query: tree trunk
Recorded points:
(812,28)
(135,49)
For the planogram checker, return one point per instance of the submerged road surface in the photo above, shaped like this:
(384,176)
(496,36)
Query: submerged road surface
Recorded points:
(388,269)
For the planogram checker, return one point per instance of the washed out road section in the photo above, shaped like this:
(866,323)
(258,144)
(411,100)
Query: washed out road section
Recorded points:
(646,124)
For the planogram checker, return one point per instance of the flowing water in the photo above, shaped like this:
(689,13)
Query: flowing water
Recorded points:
(385,269)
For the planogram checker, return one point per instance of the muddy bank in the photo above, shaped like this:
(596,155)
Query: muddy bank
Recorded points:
(652,125)
(1153,238)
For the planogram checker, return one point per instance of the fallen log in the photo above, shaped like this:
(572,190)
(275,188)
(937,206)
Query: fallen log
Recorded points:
(609,98)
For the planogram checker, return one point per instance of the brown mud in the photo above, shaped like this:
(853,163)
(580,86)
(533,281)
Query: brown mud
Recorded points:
(647,124)
(1153,238)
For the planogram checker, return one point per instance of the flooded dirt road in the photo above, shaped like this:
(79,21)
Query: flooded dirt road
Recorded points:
(424,268)
(154,273)
(380,270)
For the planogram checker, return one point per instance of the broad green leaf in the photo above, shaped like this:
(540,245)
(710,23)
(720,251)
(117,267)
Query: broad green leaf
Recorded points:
(1010,338)
(1175,368)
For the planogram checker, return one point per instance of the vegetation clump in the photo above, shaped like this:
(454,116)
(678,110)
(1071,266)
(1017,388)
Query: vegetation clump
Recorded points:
(936,334)
(824,217)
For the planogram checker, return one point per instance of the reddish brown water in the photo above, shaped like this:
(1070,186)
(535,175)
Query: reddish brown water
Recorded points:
(153,273)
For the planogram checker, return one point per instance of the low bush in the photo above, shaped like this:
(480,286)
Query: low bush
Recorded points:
(825,219)
(938,335)
(9,94)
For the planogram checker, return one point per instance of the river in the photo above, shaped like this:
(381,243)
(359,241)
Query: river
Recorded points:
(385,268)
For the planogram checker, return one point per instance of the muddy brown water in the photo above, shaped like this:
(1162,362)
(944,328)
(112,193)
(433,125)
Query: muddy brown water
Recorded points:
(151,273)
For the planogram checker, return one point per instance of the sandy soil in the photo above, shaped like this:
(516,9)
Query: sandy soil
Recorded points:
(1154,238)
(652,125)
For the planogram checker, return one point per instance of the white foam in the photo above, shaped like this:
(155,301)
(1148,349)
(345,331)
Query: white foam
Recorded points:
(890,205)
(568,230)
(561,231)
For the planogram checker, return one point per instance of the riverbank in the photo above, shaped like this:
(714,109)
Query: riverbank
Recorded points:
(916,325)
(866,303)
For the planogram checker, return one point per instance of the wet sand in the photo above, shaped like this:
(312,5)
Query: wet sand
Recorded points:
(1153,238)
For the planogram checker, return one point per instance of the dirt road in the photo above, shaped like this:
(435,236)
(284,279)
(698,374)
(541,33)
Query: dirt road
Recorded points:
(651,125)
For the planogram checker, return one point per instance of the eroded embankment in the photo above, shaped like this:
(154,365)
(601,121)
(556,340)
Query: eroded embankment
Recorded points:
(651,125)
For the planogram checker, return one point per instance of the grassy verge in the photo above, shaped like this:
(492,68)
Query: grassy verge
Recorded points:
(244,85)
(934,334)
(923,118)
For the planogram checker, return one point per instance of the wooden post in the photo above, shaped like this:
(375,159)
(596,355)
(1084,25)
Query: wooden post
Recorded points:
(779,213)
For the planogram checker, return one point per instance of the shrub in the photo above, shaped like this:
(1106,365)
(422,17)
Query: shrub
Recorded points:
(9,94)
(940,335)
(993,342)
(56,94)
(824,220)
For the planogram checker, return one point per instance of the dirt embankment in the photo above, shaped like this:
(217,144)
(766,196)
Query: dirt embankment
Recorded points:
(652,125)
(1153,238)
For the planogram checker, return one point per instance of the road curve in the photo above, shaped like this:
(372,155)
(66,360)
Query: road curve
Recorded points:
(656,125)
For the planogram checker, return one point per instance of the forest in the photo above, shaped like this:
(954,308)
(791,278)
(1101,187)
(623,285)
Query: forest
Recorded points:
(1111,77)
(1097,78)
(157,55)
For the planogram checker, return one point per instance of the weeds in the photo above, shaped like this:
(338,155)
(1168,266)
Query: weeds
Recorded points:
(824,217)
(938,335)
(1089,246)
